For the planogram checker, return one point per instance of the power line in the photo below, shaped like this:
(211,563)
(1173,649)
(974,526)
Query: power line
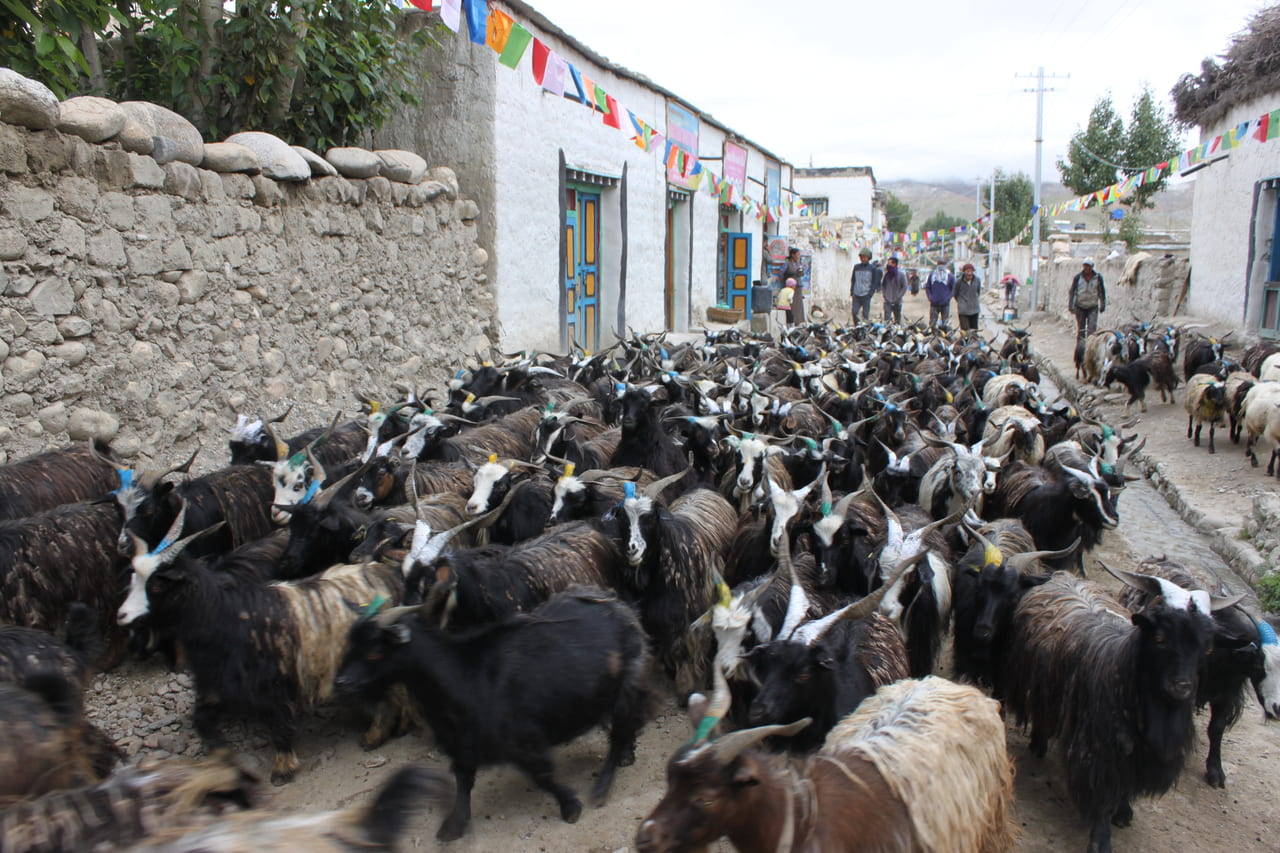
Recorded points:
(1105,161)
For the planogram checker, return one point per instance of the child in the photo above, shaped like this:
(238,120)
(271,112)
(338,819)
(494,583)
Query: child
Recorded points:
(785,296)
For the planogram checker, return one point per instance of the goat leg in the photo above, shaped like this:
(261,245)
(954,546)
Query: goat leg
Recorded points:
(455,824)
(1100,837)
(1190,418)
(284,729)
(1219,715)
(1211,447)
(540,770)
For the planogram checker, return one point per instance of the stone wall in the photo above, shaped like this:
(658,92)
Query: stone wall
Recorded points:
(138,300)
(1155,286)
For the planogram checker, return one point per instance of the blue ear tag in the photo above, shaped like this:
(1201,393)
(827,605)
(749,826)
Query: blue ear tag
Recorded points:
(459,374)
(311,491)
(620,388)
(1107,432)
(826,508)
(126,480)
(1266,633)
(704,729)
(629,489)
(747,436)
(1106,468)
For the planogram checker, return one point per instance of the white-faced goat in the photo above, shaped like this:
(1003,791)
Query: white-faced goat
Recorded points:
(672,556)
(508,692)
(958,481)
(919,766)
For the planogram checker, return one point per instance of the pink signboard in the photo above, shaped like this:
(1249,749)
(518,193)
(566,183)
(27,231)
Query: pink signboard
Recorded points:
(682,131)
(735,166)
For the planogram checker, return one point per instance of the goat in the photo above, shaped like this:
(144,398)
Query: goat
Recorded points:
(1201,351)
(1260,417)
(824,668)
(958,480)
(990,580)
(29,651)
(527,513)
(1135,377)
(1237,658)
(260,651)
(45,741)
(1119,689)
(1008,389)
(1252,358)
(919,766)
(672,556)
(56,477)
(1206,402)
(1102,349)
(510,691)
(1015,433)
(846,539)
(644,442)
(1238,383)
(54,558)
(376,826)
(590,494)
(255,441)
(1057,506)
(240,495)
(132,804)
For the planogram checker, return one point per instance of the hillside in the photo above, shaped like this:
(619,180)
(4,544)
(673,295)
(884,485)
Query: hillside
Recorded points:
(956,198)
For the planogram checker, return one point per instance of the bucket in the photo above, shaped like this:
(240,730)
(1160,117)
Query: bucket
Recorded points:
(1010,314)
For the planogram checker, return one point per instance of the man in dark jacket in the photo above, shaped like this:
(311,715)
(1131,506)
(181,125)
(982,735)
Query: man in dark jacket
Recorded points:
(1086,299)
(893,283)
(938,289)
(864,282)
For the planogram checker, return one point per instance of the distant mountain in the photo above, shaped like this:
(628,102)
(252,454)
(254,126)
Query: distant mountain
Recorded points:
(955,197)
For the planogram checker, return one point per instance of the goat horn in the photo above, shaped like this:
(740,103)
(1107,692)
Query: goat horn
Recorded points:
(282,449)
(729,747)
(1145,583)
(280,417)
(655,489)
(1218,603)
(810,633)
(988,547)
(1019,562)
(150,479)
(327,495)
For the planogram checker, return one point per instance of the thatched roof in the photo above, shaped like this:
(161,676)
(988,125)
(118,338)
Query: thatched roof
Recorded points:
(1250,69)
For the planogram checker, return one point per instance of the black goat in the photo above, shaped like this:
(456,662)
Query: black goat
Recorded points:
(508,692)
(1200,352)
(1236,659)
(61,556)
(1057,506)
(1119,690)
(54,478)
(644,442)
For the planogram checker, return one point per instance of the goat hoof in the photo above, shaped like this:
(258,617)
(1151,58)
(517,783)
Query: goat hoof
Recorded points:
(282,777)
(1215,777)
(1123,816)
(451,830)
(571,810)
(627,758)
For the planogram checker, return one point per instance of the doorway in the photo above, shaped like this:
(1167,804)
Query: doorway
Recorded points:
(582,267)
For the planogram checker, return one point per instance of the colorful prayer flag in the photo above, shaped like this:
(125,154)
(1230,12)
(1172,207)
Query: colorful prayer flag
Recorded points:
(517,44)
(611,116)
(539,66)
(451,13)
(1268,127)
(424,5)
(498,30)
(477,19)
(581,92)
(553,80)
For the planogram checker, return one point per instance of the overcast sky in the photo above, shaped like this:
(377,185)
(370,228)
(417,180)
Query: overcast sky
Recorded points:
(920,90)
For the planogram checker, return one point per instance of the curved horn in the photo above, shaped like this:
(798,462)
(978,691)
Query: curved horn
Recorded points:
(317,470)
(1145,583)
(280,417)
(282,449)
(729,747)
(327,495)
(991,555)
(811,632)
(654,490)
(1021,562)
(151,478)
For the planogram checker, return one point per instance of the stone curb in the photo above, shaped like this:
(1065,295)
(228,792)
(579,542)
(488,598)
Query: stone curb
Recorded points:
(1224,540)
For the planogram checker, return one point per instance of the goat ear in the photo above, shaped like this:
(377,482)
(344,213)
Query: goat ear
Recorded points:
(399,634)
(1028,581)
(745,775)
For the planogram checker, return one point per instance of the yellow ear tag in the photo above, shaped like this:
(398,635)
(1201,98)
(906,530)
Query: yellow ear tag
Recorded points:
(471,398)
(493,458)
(991,556)
(374,405)
(950,399)
(568,471)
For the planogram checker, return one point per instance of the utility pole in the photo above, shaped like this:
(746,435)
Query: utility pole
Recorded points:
(1035,219)
(991,230)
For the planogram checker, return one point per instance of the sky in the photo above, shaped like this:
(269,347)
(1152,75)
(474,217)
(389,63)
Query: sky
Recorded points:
(926,90)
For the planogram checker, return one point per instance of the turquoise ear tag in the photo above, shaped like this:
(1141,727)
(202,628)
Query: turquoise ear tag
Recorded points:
(826,508)
(311,491)
(629,490)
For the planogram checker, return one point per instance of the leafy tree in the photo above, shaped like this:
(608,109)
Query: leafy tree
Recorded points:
(1015,196)
(941,221)
(897,214)
(1149,139)
(1094,151)
(54,41)
(315,72)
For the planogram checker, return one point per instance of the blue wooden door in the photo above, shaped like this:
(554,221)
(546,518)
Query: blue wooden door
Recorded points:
(582,265)
(739,272)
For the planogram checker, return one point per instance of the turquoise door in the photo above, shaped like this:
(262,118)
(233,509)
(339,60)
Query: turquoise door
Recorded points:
(582,265)
(738,269)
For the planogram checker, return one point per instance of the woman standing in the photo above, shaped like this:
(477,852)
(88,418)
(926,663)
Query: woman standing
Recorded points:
(967,289)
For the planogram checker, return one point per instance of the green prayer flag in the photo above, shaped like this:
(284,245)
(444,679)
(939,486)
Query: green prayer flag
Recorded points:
(517,44)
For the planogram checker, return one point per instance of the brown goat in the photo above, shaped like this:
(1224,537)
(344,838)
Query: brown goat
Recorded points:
(919,766)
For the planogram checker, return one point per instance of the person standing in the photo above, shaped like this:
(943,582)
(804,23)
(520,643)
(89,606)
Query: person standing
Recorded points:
(938,290)
(893,284)
(1086,299)
(785,301)
(967,290)
(864,282)
(792,275)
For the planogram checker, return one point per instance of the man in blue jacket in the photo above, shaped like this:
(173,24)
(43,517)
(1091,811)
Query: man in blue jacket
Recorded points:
(938,289)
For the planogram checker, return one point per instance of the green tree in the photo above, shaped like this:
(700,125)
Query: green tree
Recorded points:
(941,221)
(1149,139)
(318,73)
(897,214)
(1093,153)
(1015,196)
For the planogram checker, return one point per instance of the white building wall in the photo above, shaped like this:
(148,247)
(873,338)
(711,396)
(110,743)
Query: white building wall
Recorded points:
(1222,213)
(847,196)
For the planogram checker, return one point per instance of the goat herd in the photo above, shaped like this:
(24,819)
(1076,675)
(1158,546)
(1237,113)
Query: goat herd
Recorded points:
(793,528)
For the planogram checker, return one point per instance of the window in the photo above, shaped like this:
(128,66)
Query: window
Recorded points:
(817,206)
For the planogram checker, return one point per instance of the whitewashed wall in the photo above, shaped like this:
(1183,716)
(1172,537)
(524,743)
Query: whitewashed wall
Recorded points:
(847,195)
(1220,224)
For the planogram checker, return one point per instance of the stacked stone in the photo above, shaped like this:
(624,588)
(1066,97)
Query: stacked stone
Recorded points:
(148,279)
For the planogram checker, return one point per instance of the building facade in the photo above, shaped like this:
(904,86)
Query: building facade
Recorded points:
(591,234)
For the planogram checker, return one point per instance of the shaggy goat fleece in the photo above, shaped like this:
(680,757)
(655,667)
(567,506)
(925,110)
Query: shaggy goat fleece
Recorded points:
(941,748)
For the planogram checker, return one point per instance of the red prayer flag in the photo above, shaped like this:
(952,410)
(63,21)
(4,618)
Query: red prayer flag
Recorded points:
(540,54)
(424,5)
(611,117)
